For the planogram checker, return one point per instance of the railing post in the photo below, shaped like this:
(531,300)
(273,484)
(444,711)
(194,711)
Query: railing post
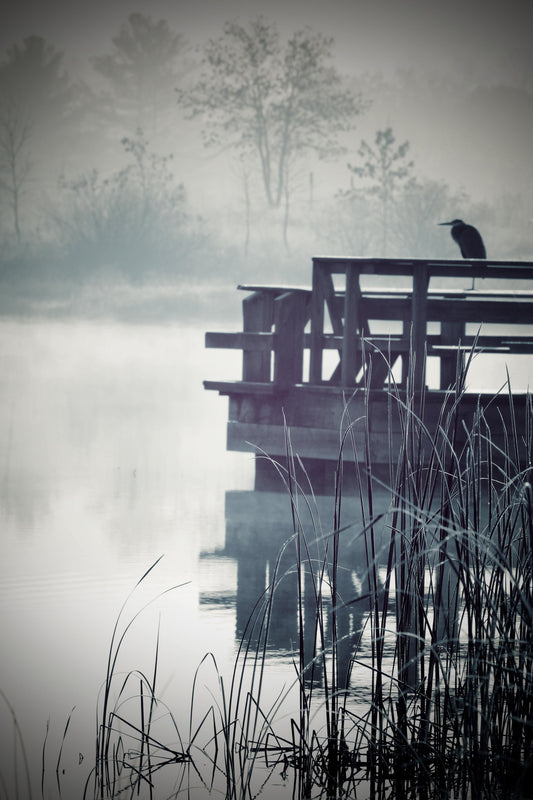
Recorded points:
(317,326)
(289,321)
(351,325)
(419,318)
(451,333)
(406,356)
(258,316)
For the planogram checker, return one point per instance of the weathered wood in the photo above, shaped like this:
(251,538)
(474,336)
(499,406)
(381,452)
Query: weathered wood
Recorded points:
(464,269)
(302,407)
(317,329)
(318,411)
(276,289)
(247,342)
(452,335)
(323,293)
(289,322)
(399,308)
(352,327)
(240,387)
(381,361)
(258,315)
(335,309)
(325,442)
(306,442)
(419,323)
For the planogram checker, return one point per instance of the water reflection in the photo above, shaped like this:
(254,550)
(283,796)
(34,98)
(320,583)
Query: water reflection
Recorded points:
(112,455)
(261,545)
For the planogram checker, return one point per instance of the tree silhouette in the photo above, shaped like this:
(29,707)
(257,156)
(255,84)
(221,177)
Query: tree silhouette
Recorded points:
(141,73)
(134,221)
(384,169)
(37,97)
(14,161)
(33,77)
(269,100)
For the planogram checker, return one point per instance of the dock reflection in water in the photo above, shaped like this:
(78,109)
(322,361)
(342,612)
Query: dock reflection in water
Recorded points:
(260,542)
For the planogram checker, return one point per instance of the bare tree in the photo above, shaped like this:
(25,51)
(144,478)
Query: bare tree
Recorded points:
(141,72)
(37,97)
(422,204)
(14,161)
(384,169)
(271,100)
(135,220)
(32,76)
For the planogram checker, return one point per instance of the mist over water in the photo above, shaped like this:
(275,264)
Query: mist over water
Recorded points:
(113,456)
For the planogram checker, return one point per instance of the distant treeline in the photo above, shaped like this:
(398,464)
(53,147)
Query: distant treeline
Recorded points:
(103,177)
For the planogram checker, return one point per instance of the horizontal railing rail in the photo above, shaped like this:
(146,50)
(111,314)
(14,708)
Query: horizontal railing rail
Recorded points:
(339,312)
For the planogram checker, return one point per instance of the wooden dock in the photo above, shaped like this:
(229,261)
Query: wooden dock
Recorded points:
(319,359)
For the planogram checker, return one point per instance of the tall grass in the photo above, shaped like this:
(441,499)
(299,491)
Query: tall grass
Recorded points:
(446,639)
(440,624)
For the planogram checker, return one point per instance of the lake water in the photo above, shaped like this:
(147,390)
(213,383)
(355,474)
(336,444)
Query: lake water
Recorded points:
(113,455)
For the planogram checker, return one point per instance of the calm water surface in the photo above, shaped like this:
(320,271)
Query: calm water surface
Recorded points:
(112,455)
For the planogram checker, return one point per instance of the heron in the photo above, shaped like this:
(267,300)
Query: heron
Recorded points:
(469,240)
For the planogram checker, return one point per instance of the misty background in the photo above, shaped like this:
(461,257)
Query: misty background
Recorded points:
(154,155)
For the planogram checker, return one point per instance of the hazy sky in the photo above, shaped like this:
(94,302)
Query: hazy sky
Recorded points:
(370,33)
(482,146)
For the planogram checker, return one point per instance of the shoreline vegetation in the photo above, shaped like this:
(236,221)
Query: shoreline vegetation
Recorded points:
(199,285)
(124,302)
(441,624)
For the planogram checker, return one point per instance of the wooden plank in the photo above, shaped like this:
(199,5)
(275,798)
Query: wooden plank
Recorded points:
(419,323)
(240,387)
(398,344)
(462,269)
(304,408)
(352,327)
(489,311)
(239,341)
(306,442)
(335,306)
(274,289)
(258,316)
(289,322)
(332,342)
(381,362)
(452,334)
(456,294)
(317,329)
(406,356)
(406,292)
(334,303)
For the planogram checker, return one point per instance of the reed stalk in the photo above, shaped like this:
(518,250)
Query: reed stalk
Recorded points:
(441,626)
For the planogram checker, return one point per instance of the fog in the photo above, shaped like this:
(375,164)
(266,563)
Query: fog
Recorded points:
(455,82)
(114,211)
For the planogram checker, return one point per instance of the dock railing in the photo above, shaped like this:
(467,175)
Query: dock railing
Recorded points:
(345,312)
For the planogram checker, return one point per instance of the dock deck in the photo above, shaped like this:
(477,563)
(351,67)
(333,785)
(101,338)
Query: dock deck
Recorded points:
(323,359)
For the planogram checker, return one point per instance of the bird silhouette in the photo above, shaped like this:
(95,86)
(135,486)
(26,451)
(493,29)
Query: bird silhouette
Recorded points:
(469,240)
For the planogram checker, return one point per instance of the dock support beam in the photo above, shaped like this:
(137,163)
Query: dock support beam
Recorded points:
(258,316)
(352,326)
(289,321)
(419,318)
